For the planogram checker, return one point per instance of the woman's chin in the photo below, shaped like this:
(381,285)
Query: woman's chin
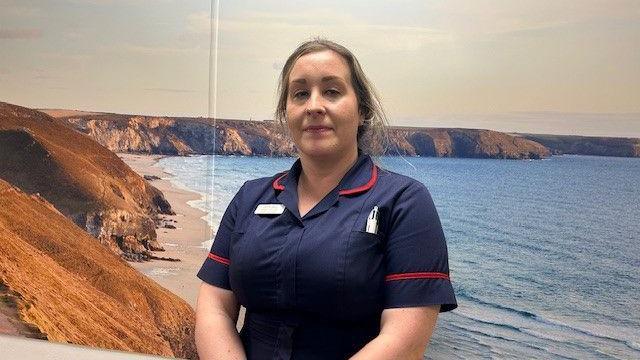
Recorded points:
(320,150)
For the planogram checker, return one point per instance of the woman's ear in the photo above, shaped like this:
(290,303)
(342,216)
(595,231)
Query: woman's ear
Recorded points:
(360,119)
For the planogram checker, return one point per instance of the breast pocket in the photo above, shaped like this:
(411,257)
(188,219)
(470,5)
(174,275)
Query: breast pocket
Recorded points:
(364,274)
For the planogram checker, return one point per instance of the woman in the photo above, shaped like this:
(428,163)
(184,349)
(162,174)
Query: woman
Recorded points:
(335,258)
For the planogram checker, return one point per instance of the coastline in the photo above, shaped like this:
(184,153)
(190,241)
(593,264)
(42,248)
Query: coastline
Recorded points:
(184,242)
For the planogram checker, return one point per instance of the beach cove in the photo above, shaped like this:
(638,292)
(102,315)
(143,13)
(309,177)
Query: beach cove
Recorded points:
(184,242)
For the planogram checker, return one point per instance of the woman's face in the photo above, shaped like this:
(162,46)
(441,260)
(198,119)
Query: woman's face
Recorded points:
(322,107)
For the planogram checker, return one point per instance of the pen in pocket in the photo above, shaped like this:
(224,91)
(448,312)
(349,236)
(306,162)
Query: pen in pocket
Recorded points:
(372,221)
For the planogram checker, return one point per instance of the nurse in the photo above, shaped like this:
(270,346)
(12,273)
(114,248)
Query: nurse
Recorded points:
(335,258)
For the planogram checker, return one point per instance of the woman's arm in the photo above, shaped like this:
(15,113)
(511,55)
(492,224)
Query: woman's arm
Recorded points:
(216,316)
(404,334)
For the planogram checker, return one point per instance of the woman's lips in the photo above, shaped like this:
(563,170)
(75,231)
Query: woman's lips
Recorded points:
(317,129)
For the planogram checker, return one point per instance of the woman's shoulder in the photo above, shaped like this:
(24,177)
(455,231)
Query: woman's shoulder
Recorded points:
(266,181)
(258,186)
(398,182)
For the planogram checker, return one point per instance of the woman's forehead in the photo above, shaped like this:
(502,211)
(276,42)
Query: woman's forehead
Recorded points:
(322,65)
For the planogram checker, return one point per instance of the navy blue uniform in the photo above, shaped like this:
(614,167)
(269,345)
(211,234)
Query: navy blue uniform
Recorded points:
(315,286)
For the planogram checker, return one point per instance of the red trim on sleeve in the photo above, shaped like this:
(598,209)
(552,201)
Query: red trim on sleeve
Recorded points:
(417,275)
(276,182)
(219,259)
(365,187)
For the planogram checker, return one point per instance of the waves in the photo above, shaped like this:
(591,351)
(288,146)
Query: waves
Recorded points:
(514,328)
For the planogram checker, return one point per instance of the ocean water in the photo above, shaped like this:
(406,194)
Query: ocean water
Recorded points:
(544,255)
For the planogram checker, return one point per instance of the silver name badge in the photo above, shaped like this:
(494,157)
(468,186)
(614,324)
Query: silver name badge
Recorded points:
(269,209)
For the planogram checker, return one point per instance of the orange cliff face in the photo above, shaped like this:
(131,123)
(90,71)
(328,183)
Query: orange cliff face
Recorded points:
(83,180)
(61,284)
(183,136)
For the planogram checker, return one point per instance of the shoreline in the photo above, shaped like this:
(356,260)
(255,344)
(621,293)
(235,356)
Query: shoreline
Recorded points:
(184,242)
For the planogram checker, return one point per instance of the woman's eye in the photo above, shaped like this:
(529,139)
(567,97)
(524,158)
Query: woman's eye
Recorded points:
(332,92)
(300,94)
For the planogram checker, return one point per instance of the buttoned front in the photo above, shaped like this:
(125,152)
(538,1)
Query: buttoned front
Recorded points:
(315,286)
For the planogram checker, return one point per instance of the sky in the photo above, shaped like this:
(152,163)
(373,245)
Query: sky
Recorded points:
(536,66)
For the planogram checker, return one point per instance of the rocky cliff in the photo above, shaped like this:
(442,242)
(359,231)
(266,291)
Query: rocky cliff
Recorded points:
(82,179)
(465,143)
(58,283)
(180,136)
(588,145)
(183,136)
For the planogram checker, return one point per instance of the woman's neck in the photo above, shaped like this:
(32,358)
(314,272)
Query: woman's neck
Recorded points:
(319,176)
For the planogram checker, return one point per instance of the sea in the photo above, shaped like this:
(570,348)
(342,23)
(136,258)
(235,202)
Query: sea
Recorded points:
(544,254)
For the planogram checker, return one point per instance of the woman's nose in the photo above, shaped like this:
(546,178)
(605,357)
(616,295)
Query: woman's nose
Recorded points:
(314,104)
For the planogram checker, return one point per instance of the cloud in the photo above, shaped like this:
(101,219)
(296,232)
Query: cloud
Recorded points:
(313,21)
(154,50)
(117,2)
(20,34)
(170,90)
(288,29)
(17,9)
(445,22)
(43,76)
(67,57)
(312,16)
(198,23)
(477,18)
(75,35)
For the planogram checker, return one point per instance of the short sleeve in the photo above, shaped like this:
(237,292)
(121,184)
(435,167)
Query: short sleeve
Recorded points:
(416,259)
(215,269)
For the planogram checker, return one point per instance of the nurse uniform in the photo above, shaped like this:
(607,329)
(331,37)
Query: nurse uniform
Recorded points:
(315,286)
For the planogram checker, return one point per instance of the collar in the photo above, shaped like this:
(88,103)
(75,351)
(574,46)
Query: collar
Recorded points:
(362,176)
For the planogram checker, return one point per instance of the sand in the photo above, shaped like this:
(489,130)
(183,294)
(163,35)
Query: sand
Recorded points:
(183,243)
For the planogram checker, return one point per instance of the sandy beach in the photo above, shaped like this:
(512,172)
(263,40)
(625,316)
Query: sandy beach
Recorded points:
(183,242)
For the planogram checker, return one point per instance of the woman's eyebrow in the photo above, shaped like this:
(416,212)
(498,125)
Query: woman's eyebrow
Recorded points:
(331,78)
(324,79)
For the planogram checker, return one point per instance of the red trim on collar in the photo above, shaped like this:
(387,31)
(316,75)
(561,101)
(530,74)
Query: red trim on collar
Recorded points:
(417,275)
(372,181)
(365,187)
(276,182)
(219,259)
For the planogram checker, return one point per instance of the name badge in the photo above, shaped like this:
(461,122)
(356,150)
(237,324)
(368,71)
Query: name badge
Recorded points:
(269,209)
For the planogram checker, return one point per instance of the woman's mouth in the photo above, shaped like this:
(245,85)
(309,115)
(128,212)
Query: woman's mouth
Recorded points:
(317,129)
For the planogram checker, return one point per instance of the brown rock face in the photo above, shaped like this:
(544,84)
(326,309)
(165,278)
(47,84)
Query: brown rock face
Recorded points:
(466,143)
(182,136)
(233,143)
(62,285)
(588,145)
(83,180)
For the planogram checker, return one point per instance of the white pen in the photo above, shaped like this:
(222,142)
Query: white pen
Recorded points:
(372,221)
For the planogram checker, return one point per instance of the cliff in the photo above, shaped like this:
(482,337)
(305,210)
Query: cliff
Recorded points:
(178,135)
(588,145)
(183,136)
(464,143)
(58,283)
(82,179)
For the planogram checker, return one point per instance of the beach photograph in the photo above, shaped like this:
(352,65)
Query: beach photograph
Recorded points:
(127,127)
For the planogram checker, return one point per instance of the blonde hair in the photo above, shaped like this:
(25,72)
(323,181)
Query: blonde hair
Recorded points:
(372,133)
